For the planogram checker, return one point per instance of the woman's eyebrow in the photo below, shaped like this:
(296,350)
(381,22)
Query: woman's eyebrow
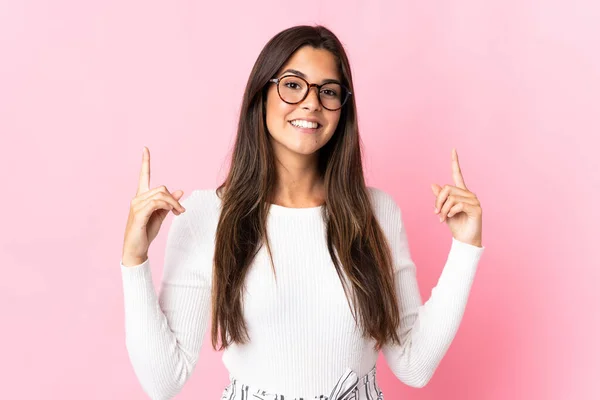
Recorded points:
(302,75)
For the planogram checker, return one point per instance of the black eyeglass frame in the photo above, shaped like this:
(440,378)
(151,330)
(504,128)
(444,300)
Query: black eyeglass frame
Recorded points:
(310,85)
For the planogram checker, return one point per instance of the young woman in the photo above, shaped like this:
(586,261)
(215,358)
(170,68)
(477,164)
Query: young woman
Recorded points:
(303,271)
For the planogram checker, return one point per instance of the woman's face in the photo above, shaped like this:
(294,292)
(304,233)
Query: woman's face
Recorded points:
(315,66)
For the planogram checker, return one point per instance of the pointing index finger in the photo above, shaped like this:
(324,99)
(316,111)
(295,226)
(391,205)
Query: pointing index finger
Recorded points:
(144,182)
(456,172)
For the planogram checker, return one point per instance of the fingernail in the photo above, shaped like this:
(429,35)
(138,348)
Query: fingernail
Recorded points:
(441,218)
(436,210)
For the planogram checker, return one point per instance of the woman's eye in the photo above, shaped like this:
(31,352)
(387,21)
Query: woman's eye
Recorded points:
(329,92)
(292,85)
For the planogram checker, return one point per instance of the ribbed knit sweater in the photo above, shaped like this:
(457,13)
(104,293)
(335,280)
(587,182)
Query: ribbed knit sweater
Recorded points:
(302,333)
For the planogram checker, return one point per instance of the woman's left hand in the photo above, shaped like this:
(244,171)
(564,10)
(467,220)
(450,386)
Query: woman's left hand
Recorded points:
(459,207)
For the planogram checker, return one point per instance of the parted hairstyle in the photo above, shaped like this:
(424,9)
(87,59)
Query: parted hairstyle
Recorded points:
(363,253)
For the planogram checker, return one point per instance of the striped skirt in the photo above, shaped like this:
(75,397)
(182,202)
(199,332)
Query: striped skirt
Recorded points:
(348,387)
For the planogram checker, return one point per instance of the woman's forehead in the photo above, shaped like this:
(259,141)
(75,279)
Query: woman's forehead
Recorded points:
(315,65)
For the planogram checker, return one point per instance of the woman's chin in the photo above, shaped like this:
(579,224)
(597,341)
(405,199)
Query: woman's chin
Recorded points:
(302,149)
(304,145)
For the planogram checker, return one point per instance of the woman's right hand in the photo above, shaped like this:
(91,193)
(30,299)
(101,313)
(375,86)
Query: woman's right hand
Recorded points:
(147,212)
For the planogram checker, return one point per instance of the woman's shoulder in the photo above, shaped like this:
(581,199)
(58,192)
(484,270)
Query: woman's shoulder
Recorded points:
(382,199)
(202,204)
(386,210)
(200,196)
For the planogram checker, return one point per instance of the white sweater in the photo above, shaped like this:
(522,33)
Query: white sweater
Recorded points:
(302,333)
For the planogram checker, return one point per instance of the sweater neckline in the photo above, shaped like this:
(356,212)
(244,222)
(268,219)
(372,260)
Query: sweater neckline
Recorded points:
(276,209)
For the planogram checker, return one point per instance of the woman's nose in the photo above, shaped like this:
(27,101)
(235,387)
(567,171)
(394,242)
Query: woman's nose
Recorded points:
(312,99)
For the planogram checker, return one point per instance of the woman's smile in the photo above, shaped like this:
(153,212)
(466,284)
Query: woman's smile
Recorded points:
(305,126)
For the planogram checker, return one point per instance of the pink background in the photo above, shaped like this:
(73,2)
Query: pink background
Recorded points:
(513,85)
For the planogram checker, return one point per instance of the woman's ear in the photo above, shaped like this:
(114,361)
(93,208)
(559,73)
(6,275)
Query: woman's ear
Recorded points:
(264,104)
(264,98)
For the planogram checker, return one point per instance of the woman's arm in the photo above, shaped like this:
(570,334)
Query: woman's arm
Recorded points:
(426,330)
(164,334)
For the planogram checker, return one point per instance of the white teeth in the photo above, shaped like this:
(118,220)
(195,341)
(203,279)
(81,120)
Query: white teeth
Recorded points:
(304,124)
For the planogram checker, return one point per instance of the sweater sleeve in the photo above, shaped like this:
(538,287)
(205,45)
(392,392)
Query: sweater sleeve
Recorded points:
(426,330)
(164,334)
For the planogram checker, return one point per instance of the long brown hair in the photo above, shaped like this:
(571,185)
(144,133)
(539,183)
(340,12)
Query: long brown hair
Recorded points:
(352,229)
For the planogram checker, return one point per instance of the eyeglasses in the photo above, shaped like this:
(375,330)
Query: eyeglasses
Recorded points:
(292,89)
